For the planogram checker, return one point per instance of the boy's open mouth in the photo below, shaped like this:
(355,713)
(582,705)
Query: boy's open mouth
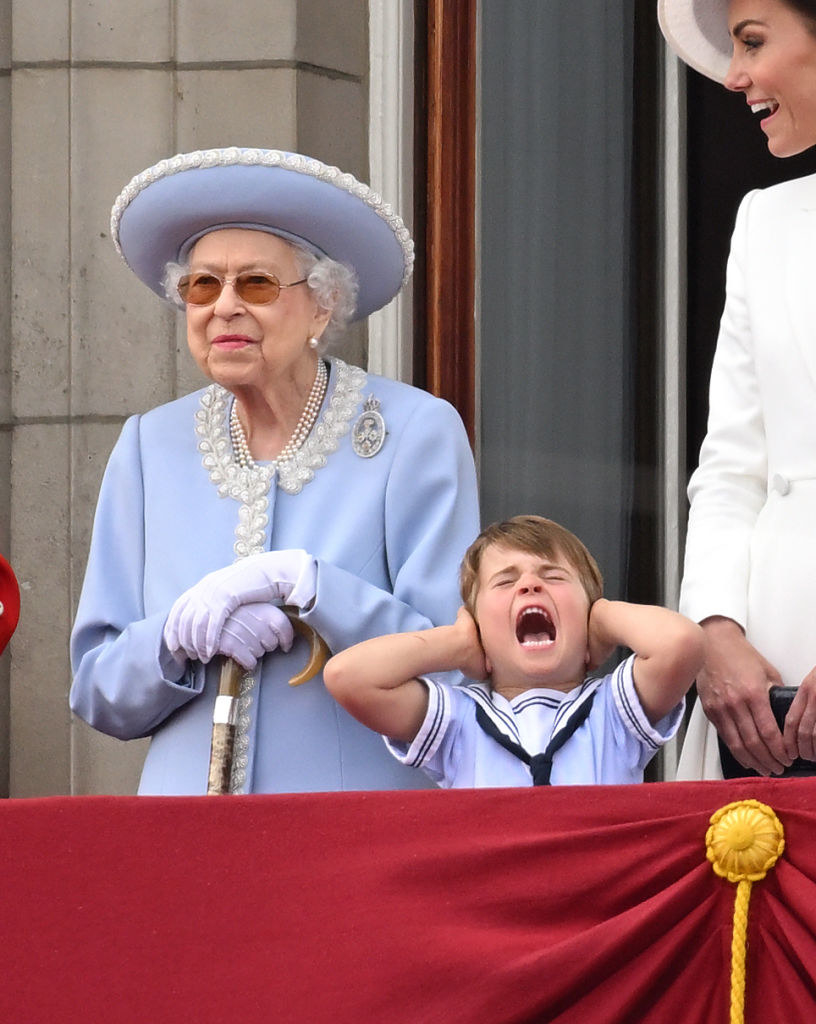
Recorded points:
(535,628)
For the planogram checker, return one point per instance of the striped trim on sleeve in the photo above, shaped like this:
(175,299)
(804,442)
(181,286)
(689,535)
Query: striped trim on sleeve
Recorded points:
(632,713)
(432,731)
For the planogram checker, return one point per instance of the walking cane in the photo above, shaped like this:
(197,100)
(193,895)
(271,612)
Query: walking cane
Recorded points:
(225,713)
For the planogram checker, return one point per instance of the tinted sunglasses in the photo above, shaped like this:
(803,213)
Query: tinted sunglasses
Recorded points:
(253,287)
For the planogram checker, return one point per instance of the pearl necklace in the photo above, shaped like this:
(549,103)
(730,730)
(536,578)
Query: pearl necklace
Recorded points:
(307,420)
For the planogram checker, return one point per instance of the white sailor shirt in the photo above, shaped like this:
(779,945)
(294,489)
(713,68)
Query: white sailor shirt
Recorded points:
(613,745)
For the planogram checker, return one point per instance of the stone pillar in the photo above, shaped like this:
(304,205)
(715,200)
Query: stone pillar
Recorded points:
(5,350)
(100,89)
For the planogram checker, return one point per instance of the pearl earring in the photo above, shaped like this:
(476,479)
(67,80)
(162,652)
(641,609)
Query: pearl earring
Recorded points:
(313,342)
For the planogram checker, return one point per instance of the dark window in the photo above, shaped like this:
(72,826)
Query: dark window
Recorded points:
(568,265)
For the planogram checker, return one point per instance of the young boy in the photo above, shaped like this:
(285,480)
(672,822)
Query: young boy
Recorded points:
(533,623)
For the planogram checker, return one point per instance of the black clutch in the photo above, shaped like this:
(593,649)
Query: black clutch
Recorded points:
(780,698)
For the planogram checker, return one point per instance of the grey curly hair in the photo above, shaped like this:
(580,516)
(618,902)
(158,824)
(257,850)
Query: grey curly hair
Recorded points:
(333,285)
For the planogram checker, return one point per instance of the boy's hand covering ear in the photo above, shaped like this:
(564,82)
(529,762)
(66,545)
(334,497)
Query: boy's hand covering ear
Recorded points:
(474,663)
(599,647)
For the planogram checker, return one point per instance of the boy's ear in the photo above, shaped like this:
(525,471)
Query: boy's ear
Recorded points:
(488,665)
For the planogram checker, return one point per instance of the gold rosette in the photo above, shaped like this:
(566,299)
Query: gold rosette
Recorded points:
(744,841)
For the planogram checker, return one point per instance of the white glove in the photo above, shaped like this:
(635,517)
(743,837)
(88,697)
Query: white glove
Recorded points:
(252,631)
(196,619)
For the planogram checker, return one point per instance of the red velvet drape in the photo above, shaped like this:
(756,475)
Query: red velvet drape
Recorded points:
(568,904)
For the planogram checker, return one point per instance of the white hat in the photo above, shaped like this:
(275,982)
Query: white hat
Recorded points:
(697,31)
(163,211)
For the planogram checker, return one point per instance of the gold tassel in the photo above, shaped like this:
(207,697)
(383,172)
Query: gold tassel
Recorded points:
(744,841)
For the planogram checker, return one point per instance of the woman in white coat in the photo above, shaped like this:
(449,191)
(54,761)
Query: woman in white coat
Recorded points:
(751,547)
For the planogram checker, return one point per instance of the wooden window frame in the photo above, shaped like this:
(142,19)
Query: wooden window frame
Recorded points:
(445,159)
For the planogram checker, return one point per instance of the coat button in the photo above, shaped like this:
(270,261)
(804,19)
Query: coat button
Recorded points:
(781,484)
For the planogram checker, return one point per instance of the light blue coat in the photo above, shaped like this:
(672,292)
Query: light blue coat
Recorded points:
(388,533)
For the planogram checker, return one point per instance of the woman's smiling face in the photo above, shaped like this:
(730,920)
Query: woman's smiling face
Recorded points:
(774,65)
(241,344)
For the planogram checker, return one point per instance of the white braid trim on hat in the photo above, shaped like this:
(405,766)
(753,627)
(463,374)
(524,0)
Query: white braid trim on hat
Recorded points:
(203,158)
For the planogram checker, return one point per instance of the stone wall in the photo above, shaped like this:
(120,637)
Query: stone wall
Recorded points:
(91,92)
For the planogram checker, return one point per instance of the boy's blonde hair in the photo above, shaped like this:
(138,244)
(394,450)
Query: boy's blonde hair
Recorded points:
(536,536)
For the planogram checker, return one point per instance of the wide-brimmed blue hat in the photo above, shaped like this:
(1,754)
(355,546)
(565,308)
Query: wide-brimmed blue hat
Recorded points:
(163,211)
(697,31)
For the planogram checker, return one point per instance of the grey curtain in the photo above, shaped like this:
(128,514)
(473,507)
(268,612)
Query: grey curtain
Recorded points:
(556,338)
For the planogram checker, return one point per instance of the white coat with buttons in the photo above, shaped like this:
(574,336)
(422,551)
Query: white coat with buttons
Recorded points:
(751,545)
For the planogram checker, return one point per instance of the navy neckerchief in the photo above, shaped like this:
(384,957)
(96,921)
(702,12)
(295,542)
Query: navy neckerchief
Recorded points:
(540,764)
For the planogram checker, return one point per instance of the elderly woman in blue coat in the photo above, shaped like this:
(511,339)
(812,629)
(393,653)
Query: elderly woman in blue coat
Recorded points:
(292,479)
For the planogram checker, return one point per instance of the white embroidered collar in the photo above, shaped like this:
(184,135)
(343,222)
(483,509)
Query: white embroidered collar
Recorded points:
(233,481)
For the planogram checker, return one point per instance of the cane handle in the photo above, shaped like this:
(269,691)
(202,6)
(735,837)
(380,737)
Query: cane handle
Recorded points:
(318,651)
